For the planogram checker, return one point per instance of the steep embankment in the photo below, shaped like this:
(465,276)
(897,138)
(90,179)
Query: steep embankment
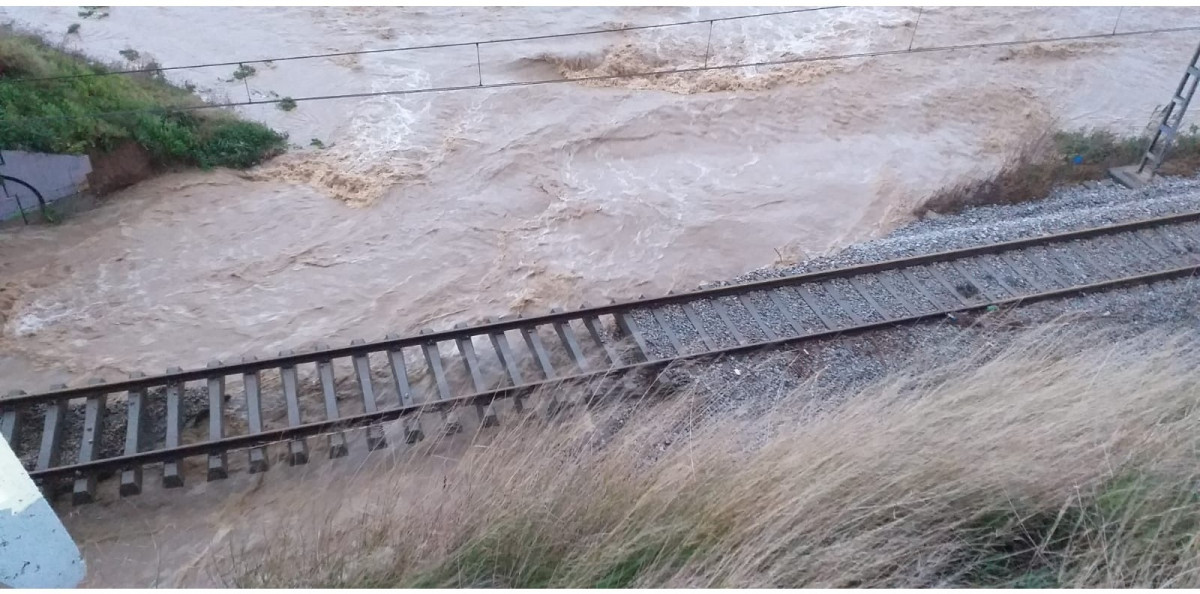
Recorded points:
(130,125)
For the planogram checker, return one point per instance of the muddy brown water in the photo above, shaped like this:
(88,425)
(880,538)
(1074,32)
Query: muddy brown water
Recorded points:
(429,210)
(435,209)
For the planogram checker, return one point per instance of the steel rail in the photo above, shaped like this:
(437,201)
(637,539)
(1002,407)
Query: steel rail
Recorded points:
(517,323)
(227,444)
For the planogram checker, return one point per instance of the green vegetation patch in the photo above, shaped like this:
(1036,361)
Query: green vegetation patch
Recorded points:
(1050,160)
(243,72)
(87,12)
(65,115)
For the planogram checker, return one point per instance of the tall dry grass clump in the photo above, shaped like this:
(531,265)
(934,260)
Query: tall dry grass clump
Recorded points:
(1042,162)
(1069,461)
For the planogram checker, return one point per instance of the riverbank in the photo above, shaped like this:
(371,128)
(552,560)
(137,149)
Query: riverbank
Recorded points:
(130,125)
(735,397)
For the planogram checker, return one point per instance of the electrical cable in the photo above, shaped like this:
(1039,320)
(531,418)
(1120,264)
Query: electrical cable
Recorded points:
(506,85)
(422,47)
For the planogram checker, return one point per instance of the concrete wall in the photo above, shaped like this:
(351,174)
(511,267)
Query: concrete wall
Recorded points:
(55,176)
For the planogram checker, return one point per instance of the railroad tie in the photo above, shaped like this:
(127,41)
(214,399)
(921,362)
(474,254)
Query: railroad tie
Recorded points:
(84,490)
(533,340)
(259,461)
(504,352)
(762,314)
(411,424)
(135,412)
(218,463)
(362,371)
(485,410)
(336,440)
(10,419)
(52,428)
(297,448)
(433,358)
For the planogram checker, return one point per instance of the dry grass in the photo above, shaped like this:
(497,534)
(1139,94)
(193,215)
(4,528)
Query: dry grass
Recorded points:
(1054,462)
(1049,160)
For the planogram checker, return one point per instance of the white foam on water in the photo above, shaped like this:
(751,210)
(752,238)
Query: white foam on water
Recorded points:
(428,210)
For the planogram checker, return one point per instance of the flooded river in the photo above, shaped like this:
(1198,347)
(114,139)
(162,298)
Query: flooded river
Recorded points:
(432,209)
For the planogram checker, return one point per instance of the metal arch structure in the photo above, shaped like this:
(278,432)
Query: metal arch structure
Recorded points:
(41,201)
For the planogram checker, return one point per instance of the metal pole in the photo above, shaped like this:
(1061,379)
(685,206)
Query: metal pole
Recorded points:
(1139,174)
(917,24)
(245,81)
(708,44)
(478,65)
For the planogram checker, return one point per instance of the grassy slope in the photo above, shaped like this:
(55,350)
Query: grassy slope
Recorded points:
(59,116)
(1061,158)
(1057,462)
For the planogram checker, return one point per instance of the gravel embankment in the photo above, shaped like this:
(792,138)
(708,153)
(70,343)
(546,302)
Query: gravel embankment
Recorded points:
(752,382)
(112,441)
(1078,207)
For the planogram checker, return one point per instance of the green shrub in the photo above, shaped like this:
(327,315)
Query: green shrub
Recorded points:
(237,144)
(99,12)
(66,115)
(243,72)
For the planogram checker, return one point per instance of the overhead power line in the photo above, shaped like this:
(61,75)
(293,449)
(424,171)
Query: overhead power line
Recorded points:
(652,73)
(425,47)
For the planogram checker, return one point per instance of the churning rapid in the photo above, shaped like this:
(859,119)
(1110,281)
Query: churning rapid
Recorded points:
(432,209)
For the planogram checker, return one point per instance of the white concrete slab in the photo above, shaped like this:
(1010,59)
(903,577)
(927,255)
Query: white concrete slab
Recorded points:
(35,550)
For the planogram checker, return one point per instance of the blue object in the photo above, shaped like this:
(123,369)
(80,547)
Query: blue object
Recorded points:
(1077,159)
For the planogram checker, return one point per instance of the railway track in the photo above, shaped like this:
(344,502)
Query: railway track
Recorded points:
(74,436)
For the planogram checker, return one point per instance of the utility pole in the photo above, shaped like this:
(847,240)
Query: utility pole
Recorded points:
(1136,176)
